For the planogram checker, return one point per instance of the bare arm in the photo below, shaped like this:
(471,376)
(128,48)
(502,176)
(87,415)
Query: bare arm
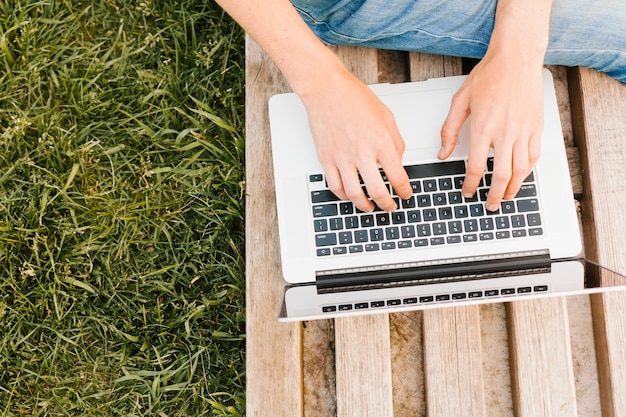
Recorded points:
(504,95)
(349,139)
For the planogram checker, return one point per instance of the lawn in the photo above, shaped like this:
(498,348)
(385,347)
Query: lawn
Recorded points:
(121,209)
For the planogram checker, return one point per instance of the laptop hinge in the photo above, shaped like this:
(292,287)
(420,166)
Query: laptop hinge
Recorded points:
(428,272)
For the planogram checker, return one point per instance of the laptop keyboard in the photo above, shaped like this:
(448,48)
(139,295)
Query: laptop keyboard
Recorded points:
(436,214)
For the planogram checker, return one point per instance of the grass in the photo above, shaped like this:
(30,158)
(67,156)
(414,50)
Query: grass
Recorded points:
(121,209)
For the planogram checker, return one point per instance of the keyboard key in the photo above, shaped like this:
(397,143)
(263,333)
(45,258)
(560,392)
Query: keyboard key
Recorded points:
(352,222)
(518,221)
(392,233)
(455,197)
(414,216)
(403,244)
(361,306)
(329,309)
(453,239)
(470,238)
(439,199)
(411,300)
(429,186)
(437,169)
(445,184)
(340,250)
(477,210)
(486,223)
(536,231)
(518,233)
(491,293)
(376,235)
(470,225)
(527,190)
(502,222)
(323,252)
(336,223)
(475,294)
(427,299)
(439,229)
(398,217)
(383,219)
(372,247)
(360,236)
(320,225)
(345,238)
(460,212)
(325,210)
(316,178)
(445,213)
(508,291)
(326,239)
(345,307)
(455,227)
(527,205)
(486,236)
(503,234)
(534,219)
(378,304)
(389,245)
(459,296)
(524,290)
(409,204)
(423,200)
(437,241)
(355,248)
(442,297)
(367,220)
(429,215)
(346,208)
(416,186)
(323,196)
(393,302)
(540,288)
(507,207)
(418,243)
(423,230)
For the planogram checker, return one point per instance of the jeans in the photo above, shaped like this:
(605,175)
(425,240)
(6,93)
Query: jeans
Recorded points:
(588,33)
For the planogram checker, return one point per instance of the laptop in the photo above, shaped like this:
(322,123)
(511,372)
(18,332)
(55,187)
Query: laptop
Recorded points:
(438,248)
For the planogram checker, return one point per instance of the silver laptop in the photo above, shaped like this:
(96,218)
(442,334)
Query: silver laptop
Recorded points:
(438,247)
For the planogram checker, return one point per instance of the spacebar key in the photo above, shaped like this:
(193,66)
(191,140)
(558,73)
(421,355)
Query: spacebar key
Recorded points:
(435,169)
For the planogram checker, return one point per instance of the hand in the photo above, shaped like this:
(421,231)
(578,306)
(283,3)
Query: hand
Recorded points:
(354,132)
(505,100)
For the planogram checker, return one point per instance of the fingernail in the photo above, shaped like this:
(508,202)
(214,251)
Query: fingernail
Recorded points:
(468,195)
(442,152)
(492,207)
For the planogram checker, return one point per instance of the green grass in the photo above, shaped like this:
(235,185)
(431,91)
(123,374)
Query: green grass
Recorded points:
(121,209)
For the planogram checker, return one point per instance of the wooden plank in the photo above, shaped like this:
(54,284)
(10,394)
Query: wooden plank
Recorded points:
(363,352)
(273,371)
(599,118)
(451,335)
(543,376)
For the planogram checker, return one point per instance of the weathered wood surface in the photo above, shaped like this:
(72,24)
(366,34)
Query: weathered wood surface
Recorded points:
(525,359)
(273,350)
(599,115)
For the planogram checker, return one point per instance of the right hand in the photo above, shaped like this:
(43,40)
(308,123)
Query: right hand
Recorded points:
(355,132)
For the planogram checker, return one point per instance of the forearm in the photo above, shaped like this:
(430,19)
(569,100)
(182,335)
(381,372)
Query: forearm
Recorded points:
(280,31)
(521,29)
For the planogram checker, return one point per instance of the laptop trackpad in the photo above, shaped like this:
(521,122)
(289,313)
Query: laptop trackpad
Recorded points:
(420,116)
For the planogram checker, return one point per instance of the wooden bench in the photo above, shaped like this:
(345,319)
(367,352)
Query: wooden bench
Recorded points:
(526,358)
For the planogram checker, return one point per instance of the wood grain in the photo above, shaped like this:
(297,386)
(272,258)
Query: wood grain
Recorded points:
(273,350)
(599,117)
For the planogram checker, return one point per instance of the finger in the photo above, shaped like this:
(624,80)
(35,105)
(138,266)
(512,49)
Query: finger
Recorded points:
(396,175)
(519,172)
(376,188)
(354,190)
(458,114)
(475,168)
(502,168)
(333,179)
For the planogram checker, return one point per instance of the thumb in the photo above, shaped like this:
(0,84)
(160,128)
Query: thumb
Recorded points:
(458,114)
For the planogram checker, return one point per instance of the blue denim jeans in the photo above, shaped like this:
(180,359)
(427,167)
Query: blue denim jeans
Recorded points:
(589,33)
